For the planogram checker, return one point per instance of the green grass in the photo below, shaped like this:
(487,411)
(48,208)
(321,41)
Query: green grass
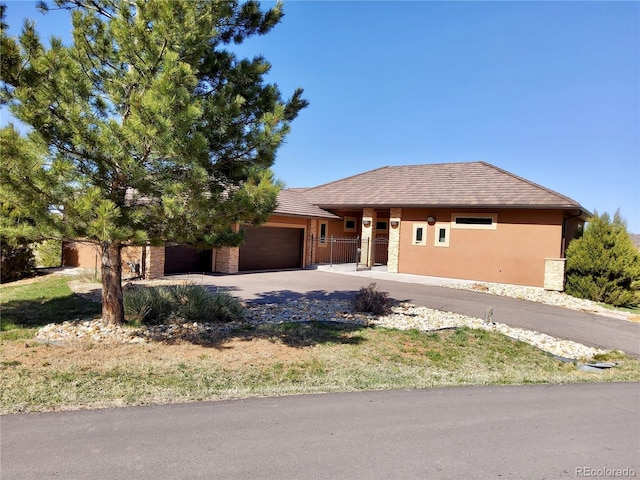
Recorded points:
(265,360)
(25,307)
(634,310)
(322,358)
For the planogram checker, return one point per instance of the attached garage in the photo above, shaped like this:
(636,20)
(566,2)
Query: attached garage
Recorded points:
(185,259)
(271,248)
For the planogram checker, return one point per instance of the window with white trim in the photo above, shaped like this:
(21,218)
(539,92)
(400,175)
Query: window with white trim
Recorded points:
(441,238)
(477,221)
(324,228)
(419,234)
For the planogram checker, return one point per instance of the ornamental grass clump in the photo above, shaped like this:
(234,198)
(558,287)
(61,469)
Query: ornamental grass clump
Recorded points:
(180,303)
(371,300)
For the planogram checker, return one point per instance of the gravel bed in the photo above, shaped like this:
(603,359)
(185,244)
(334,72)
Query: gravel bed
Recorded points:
(403,317)
(540,295)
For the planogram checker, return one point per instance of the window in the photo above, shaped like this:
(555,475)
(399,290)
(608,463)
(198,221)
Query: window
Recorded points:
(419,234)
(480,221)
(442,235)
(323,232)
(350,224)
(381,225)
(474,220)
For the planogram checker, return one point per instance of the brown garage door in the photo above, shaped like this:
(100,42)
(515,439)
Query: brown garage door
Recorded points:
(184,259)
(271,248)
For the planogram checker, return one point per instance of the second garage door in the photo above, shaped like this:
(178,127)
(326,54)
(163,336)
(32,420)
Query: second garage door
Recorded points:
(271,248)
(185,259)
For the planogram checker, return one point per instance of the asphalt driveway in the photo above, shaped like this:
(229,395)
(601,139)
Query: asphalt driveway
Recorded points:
(279,287)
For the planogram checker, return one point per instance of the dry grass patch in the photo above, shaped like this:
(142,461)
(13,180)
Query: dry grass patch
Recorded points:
(271,359)
(274,360)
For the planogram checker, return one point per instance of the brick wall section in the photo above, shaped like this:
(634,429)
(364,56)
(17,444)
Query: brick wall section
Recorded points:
(154,262)
(227,259)
(554,269)
(394,240)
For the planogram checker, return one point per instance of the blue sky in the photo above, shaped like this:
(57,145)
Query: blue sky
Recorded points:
(549,91)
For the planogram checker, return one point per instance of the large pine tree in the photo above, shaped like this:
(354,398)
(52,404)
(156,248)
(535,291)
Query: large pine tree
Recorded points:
(145,128)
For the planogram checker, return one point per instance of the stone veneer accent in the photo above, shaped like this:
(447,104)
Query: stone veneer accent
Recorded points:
(394,240)
(227,259)
(367,246)
(554,269)
(154,262)
(312,233)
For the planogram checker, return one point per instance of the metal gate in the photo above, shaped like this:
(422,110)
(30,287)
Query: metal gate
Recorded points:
(381,252)
(347,250)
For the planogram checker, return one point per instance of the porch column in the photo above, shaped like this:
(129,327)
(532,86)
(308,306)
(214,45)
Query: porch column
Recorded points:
(154,262)
(394,240)
(312,235)
(228,259)
(367,243)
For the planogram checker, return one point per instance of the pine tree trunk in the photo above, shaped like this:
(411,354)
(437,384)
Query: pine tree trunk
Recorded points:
(112,306)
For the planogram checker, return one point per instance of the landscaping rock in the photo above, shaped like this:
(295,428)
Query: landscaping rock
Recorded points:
(402,317)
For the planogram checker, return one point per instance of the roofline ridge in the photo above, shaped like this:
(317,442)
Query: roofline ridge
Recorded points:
(431,164)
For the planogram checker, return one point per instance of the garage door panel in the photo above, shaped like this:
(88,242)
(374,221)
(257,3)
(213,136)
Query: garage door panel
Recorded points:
(271,248)
(185,259)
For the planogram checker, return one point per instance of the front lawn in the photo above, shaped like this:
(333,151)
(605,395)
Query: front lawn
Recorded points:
(29,304)
(270,359)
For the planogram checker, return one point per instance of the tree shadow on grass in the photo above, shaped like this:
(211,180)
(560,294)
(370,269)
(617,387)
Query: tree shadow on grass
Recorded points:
(40,312)
(292,334)
(307,334)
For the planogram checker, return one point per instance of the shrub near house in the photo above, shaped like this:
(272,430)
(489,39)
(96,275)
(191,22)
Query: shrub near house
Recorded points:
(17,260)
(603,264)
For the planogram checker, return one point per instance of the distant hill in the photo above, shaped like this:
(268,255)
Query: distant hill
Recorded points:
(636,239)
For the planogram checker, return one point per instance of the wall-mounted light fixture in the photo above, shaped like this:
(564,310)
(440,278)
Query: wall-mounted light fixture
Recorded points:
(394,223)
(366,223)
(431,220)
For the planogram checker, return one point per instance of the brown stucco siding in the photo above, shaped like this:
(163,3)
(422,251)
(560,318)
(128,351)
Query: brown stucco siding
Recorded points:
(514,252)
(87,255)
(279,220)
(81,254)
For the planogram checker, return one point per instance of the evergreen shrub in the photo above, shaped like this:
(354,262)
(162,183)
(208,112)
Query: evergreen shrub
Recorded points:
(48,253)
(16,260)
(603,264)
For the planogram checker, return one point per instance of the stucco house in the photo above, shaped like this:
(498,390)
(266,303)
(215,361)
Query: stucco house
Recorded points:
(470,221)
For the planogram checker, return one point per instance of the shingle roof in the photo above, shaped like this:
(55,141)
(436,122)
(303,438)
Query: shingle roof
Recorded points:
(473,184)
(291,202)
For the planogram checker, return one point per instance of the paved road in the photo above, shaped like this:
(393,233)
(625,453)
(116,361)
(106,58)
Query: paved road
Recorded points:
(587,328)
(457,433)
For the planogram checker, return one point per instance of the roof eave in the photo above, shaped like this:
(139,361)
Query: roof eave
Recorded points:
(454,205)
(328,215)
